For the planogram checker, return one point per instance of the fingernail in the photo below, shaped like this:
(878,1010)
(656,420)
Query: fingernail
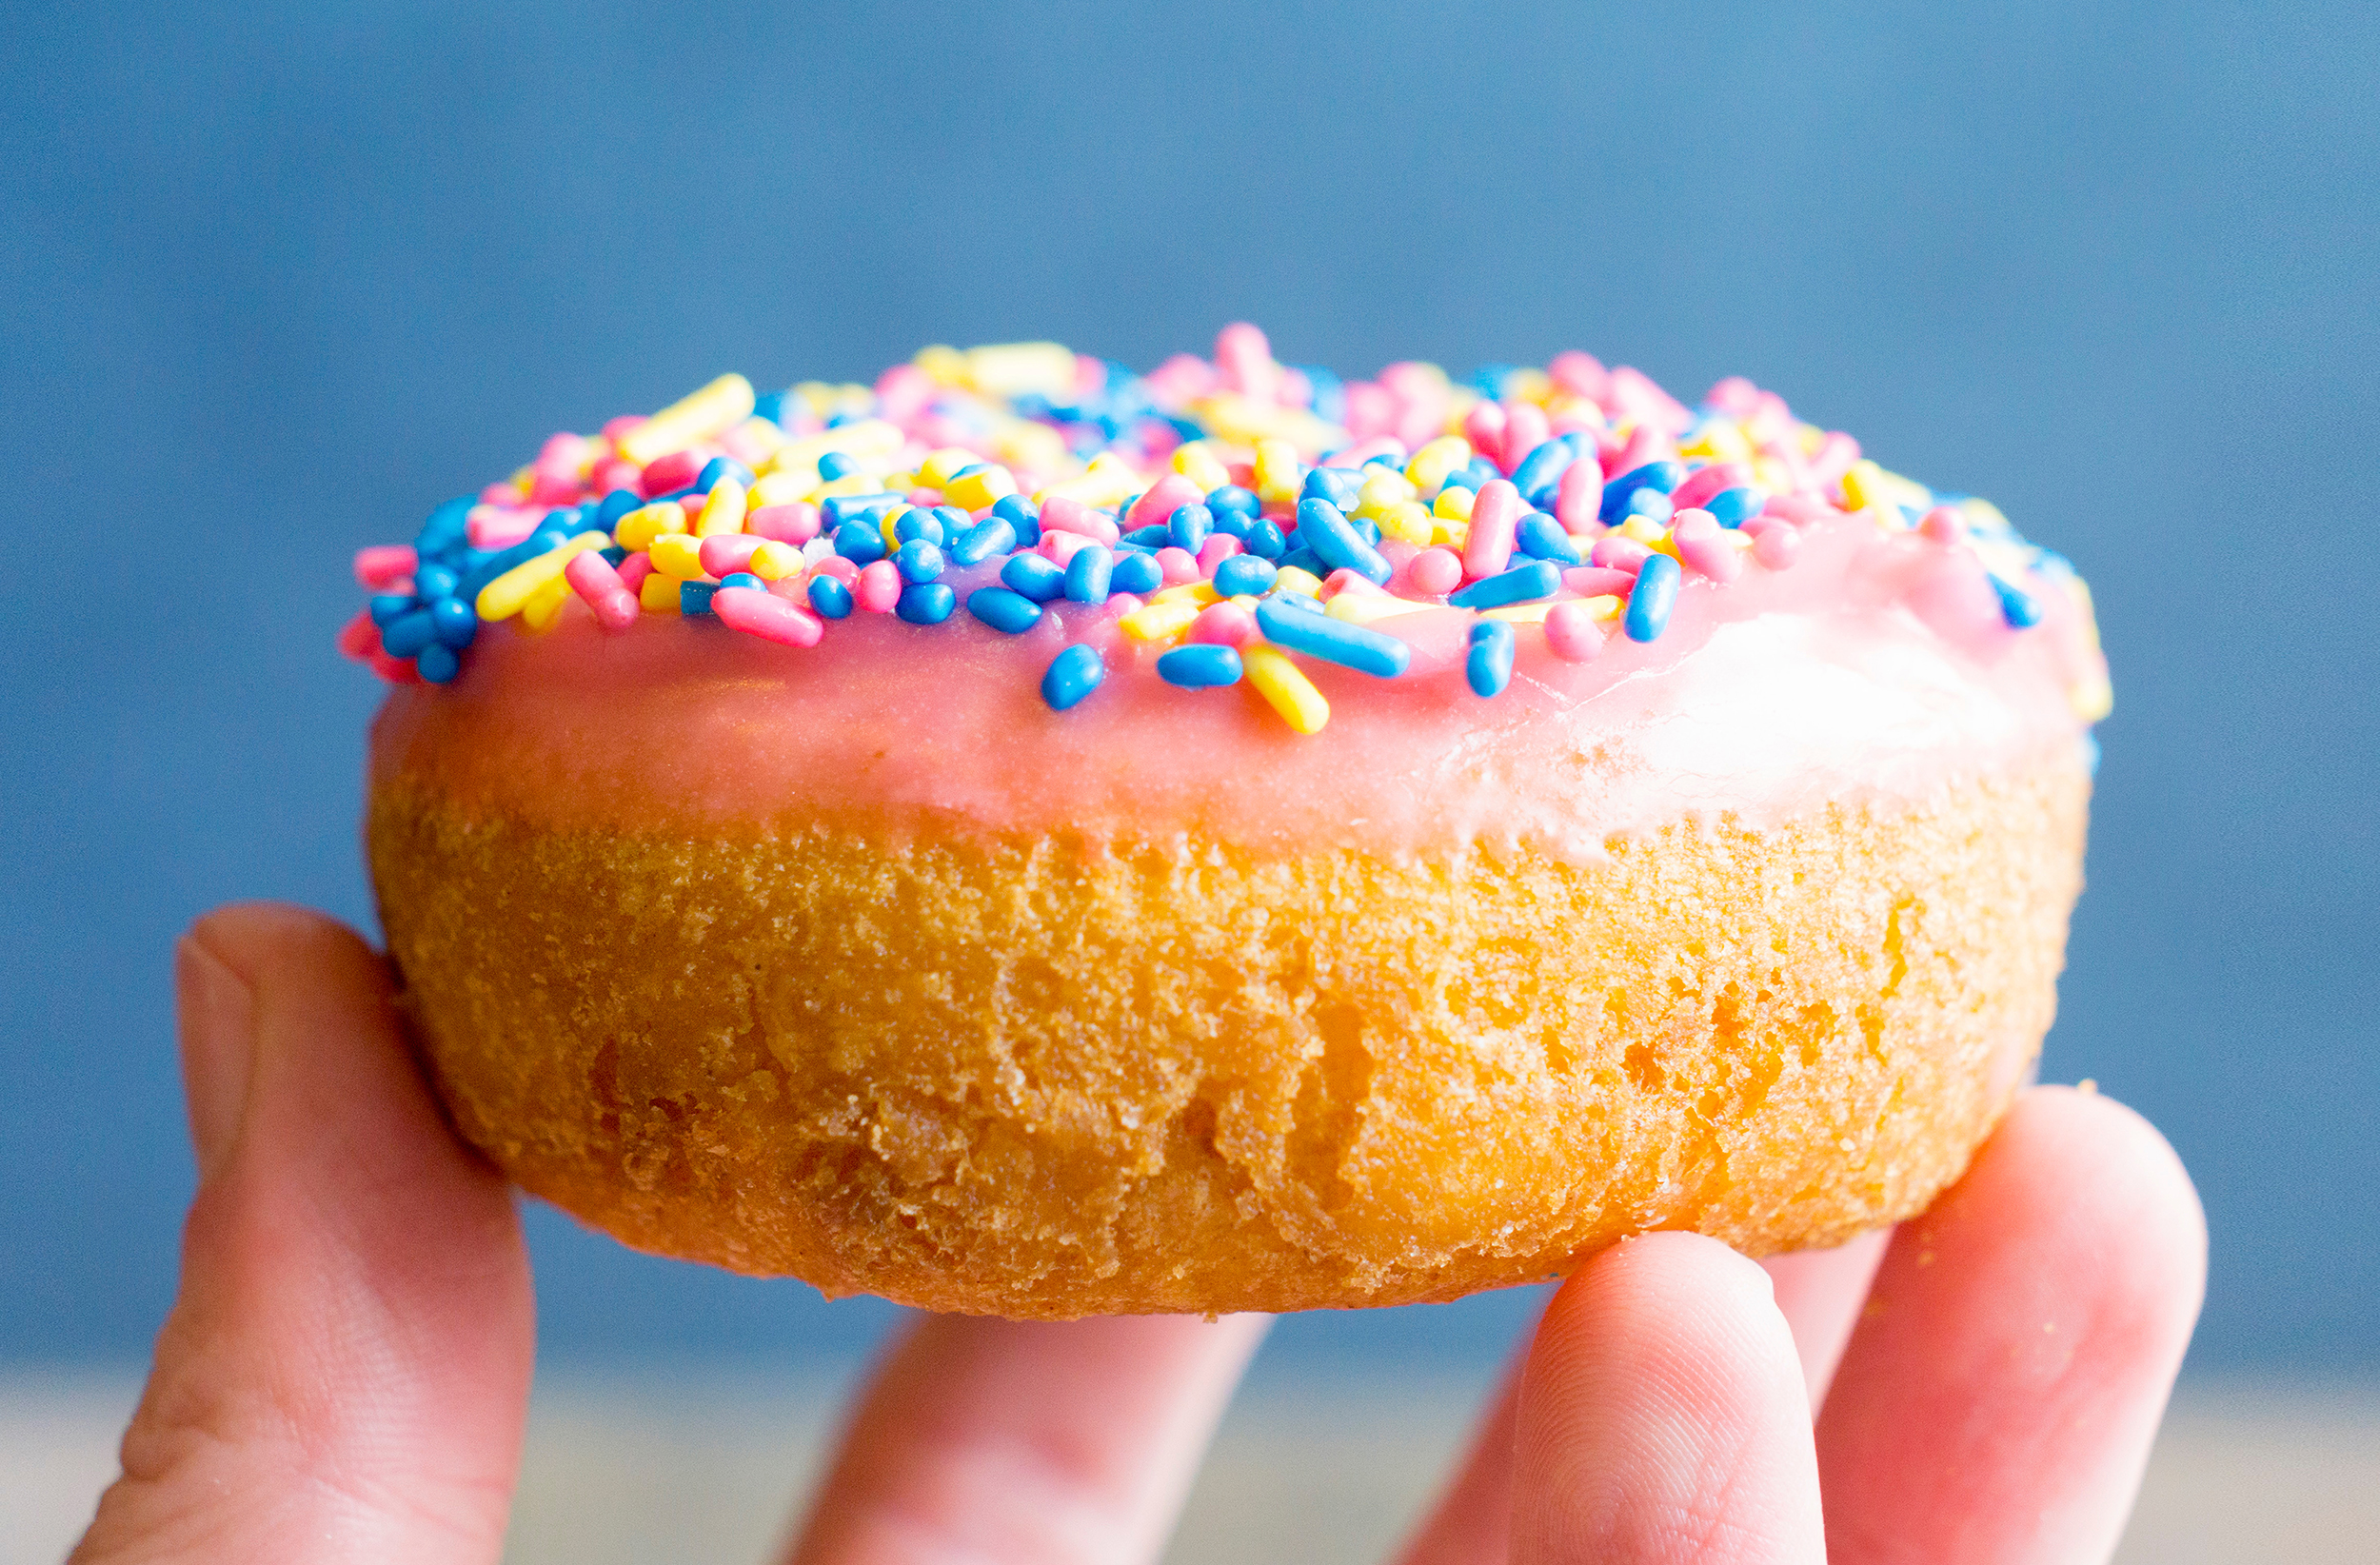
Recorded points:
(217,1011)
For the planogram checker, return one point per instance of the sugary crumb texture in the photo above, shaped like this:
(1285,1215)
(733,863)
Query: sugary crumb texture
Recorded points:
(1044,1079)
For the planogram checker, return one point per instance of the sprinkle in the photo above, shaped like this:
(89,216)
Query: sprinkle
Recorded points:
(658,594)
(1088,572)
(1541,538)
(1244,575)
(830,597)
(793,523)
(759,613)
(1135,573)
(2017,606)
(1159,622)
(1332,640)
(926,603)
(1488,664)
(918,561)
(1495,520)
(1537,579)
(981,542)
(1285,688)
(695,597)
(727,400)
(1705,547)
(1225,625)
(1004,610)
(507,594)
(1073,674)
(1655,595)
(1572,630)
(384,565)
(1202,666)
(1034,577)
(879,587)
(594,579)
(1325,529)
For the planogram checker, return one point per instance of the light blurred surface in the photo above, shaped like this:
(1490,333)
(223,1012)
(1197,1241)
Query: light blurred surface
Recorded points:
(1310,1470)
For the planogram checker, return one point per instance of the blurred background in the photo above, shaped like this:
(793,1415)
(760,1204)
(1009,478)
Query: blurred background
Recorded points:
(279,277)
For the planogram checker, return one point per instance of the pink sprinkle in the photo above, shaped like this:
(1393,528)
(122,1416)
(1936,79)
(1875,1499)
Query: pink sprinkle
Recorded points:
(1703,547)
(1436,571)
(902,393)
(1944,525)
(1120,606)
(1343,580)
(794,523)
(359,638)
(1243,360)
(1643,444)
(614,473)
(1525,429)
(1183,378)
(1615,552)
(1224,624)
(1734,396)
(620,429)
(879,587)
(746,445)
(395,670)
(632,571)
(1636,395)
(493,527)
(384,565)
(1582,374)
(1753,527)
(1218,547)
(1599,581)
(554,488)
(506,494)
(668,474)
(728,552)
(1579,496)
(1777,547)
(1058,547)
(756,613)
(1484,427)
(1705,481)
(1572,632)
(1164,497)
(1068,515)
(1800,509)
(1835,455)
(837,566)
(1179,565)
(1355,456)
(601,587)
(1495,516)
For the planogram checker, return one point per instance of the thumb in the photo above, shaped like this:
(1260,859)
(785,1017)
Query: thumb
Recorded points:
(346,1369)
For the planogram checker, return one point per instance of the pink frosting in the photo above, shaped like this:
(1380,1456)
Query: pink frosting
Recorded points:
(1877,668)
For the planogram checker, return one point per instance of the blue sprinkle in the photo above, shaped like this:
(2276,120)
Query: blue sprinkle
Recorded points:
(1034,577)
(1139,574)
(954,519)
(1264,538)
(1303,559)
(1543,466)
(1479,474)
(1654,595)
(2091,755)
(1649,503)
(1333,641)
(835,465)
(1338,487)
(1244,575)
(830,597)
(405,637)
(1004,610)
(1200,666)
(862,542)
(615,555)
(1073,674)
(1019,513)
(981,542)
(1189,526)
(617,504)
(1366,529)
(1231,496)
(2017,606)
(770,406)
(743,579)
(1521,584)
(1295,600)
(858,508)
(448,525)
(1660,477)
(431,583)
(454,623)
(926,603)
(1733,507)
(1087,573)
(1488,663)
(388,607)
(917,561)
(921,524)
(719,468)
(1323,529)
(1541,538)
(1230,524)
(487,567)
(439,664)
(1155,536)
(694,598)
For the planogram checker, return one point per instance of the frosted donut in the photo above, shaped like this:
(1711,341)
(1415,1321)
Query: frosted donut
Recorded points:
(1595,815)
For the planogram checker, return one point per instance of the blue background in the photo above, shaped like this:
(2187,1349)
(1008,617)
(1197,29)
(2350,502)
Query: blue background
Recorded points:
(279,277)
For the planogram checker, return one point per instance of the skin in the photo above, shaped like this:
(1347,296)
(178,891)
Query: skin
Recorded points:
(346,1371)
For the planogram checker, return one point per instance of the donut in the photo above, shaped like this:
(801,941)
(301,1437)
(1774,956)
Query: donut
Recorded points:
(1031,838)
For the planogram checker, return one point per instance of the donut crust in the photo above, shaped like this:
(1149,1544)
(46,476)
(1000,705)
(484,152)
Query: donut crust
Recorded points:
(1050,1077)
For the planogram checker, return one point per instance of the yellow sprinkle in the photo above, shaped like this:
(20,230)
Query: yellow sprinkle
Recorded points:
(2093,698)
(638,529)
(1030,448)
(1161,621)
(1721,440)
(774,562)
(1299,580)
(1277,476)
(1445,532)
(980,491)
(1380,491)
(723,510)
(778,489)
(1197,462)
(1522,613)
(1200,593)
(1437,461)
(719,407)
(659,595)
(946,364)
(1105,483)
(1365,607)
(889,521)
(1011,369)
(678,556)
(1408,519)
(540,612)
(1453,504)
(509,593)
(1285,688)
(1863,485)
(1644,530)
(859,483)
(940,466)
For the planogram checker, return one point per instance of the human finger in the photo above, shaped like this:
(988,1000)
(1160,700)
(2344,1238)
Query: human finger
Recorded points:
(1999,1398)
(346,1369)
(1032,1442)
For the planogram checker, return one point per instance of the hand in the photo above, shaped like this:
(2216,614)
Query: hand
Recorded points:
(345,1372)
